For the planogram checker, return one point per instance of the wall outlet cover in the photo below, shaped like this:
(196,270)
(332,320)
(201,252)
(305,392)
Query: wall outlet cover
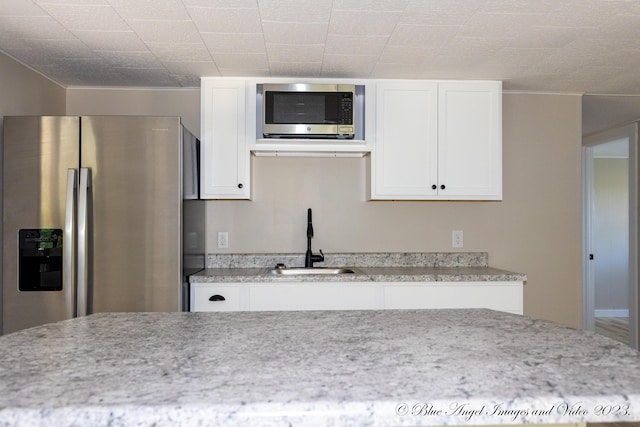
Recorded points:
(457,238)
(223,239)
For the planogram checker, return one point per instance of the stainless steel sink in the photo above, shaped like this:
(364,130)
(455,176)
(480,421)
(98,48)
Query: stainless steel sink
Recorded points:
(313,270)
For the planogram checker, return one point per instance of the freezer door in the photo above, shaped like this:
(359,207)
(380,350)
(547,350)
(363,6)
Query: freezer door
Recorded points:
(134,208)
(39,159)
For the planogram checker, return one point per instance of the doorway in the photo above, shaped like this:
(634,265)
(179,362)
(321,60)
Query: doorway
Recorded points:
(609,206)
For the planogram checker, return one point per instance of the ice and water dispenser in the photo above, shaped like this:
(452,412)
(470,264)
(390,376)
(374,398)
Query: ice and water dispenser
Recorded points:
(40,259)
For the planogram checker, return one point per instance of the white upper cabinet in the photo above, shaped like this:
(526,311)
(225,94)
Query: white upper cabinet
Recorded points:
(429,140)
(225,158)
(437,141)
(405,158)
(470,140)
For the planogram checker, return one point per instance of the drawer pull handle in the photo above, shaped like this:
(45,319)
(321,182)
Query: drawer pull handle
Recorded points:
(217,298)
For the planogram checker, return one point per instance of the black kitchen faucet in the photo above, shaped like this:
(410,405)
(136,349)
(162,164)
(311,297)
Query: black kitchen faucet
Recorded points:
(310,257)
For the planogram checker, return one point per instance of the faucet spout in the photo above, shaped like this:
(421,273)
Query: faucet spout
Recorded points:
(309,225)
(310,257)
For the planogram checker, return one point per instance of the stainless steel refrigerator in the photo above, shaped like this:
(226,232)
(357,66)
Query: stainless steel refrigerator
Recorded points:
(93,216)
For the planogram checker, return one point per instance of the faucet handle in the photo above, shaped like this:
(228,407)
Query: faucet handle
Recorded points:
(314,258)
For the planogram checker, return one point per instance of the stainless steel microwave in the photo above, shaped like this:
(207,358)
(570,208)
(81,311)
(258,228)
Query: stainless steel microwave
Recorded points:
(308,111)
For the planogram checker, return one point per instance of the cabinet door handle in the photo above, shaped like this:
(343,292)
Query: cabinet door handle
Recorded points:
(433,187)
(240,185)
(217,298)
(442,187)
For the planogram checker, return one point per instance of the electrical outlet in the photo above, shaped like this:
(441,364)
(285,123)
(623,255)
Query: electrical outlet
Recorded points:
(223,239)
(192,240)
(457,239)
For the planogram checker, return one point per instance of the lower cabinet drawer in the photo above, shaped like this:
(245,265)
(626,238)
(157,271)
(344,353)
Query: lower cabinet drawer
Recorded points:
(308,296)
(215,298)
(504,296)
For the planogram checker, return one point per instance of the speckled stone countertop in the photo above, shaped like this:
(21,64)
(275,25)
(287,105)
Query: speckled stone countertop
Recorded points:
(332,368)
(370,267)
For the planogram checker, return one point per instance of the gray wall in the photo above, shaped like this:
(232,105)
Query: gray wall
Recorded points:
(536,229)
(25,92)
(140,102)
(611,233)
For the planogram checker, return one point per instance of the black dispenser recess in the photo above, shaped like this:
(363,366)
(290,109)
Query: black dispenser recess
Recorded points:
(40,259)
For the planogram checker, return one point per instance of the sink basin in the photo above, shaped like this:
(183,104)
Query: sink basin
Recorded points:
(315,270)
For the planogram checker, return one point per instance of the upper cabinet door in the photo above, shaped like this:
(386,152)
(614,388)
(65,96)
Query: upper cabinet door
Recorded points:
(437,141)
(404,161)
(470,140)
(225,157)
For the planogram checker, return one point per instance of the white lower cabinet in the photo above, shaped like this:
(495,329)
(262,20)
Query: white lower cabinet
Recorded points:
(314,296)
(292,296)
(501,296)
(216,297)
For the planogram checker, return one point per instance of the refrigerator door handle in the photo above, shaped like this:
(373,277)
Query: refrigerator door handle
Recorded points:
(83,240)
(69,245)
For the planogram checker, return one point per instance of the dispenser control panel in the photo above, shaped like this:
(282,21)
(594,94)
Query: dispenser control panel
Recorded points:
(40,259)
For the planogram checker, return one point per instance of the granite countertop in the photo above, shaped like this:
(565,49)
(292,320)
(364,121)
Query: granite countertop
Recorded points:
(335,368)
(370,267)
(362,274)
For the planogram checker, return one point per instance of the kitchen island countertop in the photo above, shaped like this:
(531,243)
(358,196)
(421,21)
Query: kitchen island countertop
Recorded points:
(335,368)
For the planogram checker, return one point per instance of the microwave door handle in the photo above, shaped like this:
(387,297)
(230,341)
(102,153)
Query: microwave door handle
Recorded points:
(83,239)
(68,244)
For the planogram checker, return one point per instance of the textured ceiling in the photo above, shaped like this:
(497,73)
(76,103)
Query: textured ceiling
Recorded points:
(583,46)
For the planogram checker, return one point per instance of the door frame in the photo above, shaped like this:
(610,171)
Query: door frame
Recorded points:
(631,133)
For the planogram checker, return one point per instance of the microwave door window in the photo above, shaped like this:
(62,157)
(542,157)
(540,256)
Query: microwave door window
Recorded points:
(302,108)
